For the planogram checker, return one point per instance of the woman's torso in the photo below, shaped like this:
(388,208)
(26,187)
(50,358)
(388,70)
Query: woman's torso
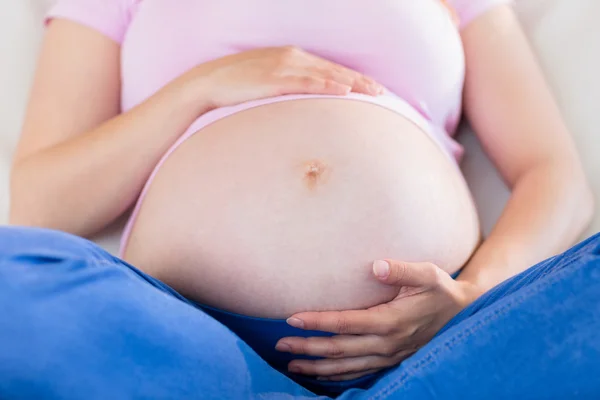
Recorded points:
(235,219)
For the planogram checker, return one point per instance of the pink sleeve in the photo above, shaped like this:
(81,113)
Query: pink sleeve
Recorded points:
(468,10)
(109,17)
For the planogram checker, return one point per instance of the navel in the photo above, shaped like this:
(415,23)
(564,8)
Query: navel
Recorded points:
(314,173)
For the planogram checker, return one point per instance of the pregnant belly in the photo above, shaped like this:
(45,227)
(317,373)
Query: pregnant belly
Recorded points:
(283,208)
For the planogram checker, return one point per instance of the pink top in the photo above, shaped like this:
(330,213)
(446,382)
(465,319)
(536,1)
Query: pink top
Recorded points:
(412,47)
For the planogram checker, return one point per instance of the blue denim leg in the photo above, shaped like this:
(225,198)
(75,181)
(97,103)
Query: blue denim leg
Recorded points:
(77,323)
(532,337)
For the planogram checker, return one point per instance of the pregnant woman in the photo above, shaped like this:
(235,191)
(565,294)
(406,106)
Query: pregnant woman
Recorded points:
(279,155)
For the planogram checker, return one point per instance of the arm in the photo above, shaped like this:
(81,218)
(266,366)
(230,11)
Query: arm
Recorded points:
(79,164)
(74,149)
(518,122)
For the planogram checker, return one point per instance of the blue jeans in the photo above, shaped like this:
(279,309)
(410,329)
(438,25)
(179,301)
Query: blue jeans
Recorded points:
(78,323)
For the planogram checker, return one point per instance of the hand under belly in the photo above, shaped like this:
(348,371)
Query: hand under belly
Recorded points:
(282,208)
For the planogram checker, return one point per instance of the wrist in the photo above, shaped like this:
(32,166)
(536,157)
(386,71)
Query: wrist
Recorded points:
(476,278)
(489,265)
(192,94)
(469,292)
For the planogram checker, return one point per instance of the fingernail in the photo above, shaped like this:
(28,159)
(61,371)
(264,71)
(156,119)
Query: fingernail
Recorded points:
(374,88)
(381,268)
(294,369)
(295,322)
(281,346)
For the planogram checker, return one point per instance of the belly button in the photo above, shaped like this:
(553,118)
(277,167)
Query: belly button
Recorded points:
(314,172)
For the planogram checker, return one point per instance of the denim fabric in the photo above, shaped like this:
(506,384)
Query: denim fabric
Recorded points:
(78,323)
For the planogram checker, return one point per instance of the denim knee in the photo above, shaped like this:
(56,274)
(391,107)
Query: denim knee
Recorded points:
(24,243)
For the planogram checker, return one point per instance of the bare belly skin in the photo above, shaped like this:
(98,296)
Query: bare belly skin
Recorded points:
(283,208)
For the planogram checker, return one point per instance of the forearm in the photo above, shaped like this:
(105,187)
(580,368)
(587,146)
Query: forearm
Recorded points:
(82,184)
(549,207)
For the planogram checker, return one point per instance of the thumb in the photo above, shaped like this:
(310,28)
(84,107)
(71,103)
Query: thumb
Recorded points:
(399,273)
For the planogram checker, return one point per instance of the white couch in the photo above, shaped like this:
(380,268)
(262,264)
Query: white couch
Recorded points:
(565,35)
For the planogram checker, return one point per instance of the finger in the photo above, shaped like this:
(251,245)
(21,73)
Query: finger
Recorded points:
(347,377)
(342,366)
(335,74)
(340,346)
(312,85)
(359,83)
(378,320)
(399,273)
